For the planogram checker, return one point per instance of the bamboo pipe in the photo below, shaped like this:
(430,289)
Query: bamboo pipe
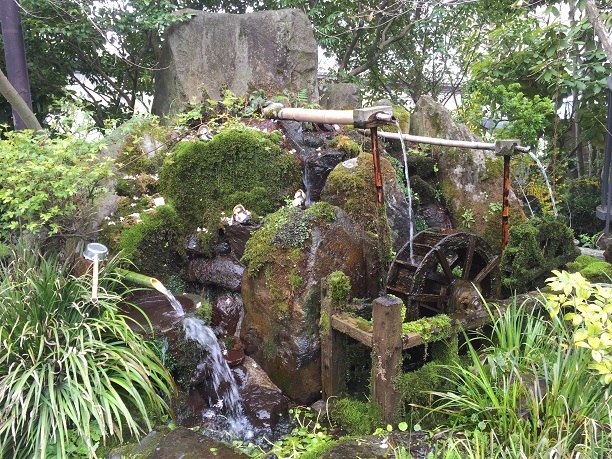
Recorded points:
(447,142)
(342,117)
(141,279)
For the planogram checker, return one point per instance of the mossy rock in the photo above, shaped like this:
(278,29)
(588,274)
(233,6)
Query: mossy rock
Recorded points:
(534,249)
(150,244)
(351,187)
(243,165)
(345,144)
(592,269)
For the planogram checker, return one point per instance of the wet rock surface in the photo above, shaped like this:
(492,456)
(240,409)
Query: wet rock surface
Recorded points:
(227,314)
(223,271)
(180,443)
(280,330)
(264,403)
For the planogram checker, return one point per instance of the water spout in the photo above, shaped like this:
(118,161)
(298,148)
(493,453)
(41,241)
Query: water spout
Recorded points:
(147,281)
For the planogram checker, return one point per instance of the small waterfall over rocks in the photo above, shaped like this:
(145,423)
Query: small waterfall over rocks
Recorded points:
(227,397)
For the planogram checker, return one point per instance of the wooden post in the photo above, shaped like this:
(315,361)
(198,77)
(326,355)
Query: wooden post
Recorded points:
(332,349)
(386,355)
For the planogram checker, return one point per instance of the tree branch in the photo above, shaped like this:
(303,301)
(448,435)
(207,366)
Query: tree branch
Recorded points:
(18,104)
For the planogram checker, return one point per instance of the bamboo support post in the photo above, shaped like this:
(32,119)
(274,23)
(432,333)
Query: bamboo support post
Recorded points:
(332,349)
(386,355)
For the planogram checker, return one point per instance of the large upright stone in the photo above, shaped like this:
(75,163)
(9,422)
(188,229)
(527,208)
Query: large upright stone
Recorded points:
(471,180)
(271,50)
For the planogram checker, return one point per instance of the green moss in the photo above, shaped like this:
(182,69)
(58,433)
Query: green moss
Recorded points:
(346,144)
(204,312)
(146,243)
(534,249)
(357,417)
(339,289)
(592,269)
(494,168)
(430,328)
(287,229)
(324,323)
(203,179)
(269,348)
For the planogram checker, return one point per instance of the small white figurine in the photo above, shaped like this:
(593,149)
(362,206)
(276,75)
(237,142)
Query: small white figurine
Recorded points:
(240,215)
(299,199)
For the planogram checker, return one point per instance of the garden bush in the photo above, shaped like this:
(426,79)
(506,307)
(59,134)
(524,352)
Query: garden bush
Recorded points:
(45,181)
(72,372)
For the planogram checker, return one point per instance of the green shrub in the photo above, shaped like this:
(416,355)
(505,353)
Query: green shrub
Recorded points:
(71,368)
(534,249)
(43,181)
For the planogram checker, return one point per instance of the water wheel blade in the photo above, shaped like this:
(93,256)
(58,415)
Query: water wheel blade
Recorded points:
(484,272)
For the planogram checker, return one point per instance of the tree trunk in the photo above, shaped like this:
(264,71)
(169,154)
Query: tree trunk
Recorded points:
(595,18)
(14,52)
(18,104)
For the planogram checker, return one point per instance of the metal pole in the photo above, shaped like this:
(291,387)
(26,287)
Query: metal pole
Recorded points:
(380,198)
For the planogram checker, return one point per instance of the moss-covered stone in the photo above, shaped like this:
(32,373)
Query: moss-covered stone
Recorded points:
(285,230)
(346,144)
(146,244)
(592,269)
(246,166)
(534,249)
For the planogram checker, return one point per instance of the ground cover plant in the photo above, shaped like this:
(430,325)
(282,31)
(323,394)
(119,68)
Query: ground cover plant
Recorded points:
(536,387)
(72,372)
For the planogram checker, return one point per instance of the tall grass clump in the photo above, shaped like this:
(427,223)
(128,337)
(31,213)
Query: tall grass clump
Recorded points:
(72,372)
(528,389)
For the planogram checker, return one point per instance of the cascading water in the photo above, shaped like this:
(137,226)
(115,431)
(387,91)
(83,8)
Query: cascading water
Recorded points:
(543,170)
(229,398)
(408,192)
(178,308)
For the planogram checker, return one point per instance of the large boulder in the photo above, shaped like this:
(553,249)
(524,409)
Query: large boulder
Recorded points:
(351,186)
(273,50)
(286,261)
(471,180)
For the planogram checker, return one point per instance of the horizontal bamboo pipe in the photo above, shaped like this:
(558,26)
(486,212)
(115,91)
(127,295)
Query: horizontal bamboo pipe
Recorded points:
(309,115)
(141,279)
(446,142)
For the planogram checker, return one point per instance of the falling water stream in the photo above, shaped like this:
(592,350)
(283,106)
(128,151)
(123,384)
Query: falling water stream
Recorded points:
(408,192)
(178,308)
(543,170)
(224,384)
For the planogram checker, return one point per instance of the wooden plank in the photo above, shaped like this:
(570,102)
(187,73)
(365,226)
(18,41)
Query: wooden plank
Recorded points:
(333,356)
(348,325)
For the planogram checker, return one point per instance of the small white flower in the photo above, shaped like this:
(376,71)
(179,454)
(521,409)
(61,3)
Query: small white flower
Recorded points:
(111,223)
(121,219)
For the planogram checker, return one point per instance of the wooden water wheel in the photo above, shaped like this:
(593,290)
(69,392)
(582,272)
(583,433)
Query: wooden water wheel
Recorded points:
(449,272)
